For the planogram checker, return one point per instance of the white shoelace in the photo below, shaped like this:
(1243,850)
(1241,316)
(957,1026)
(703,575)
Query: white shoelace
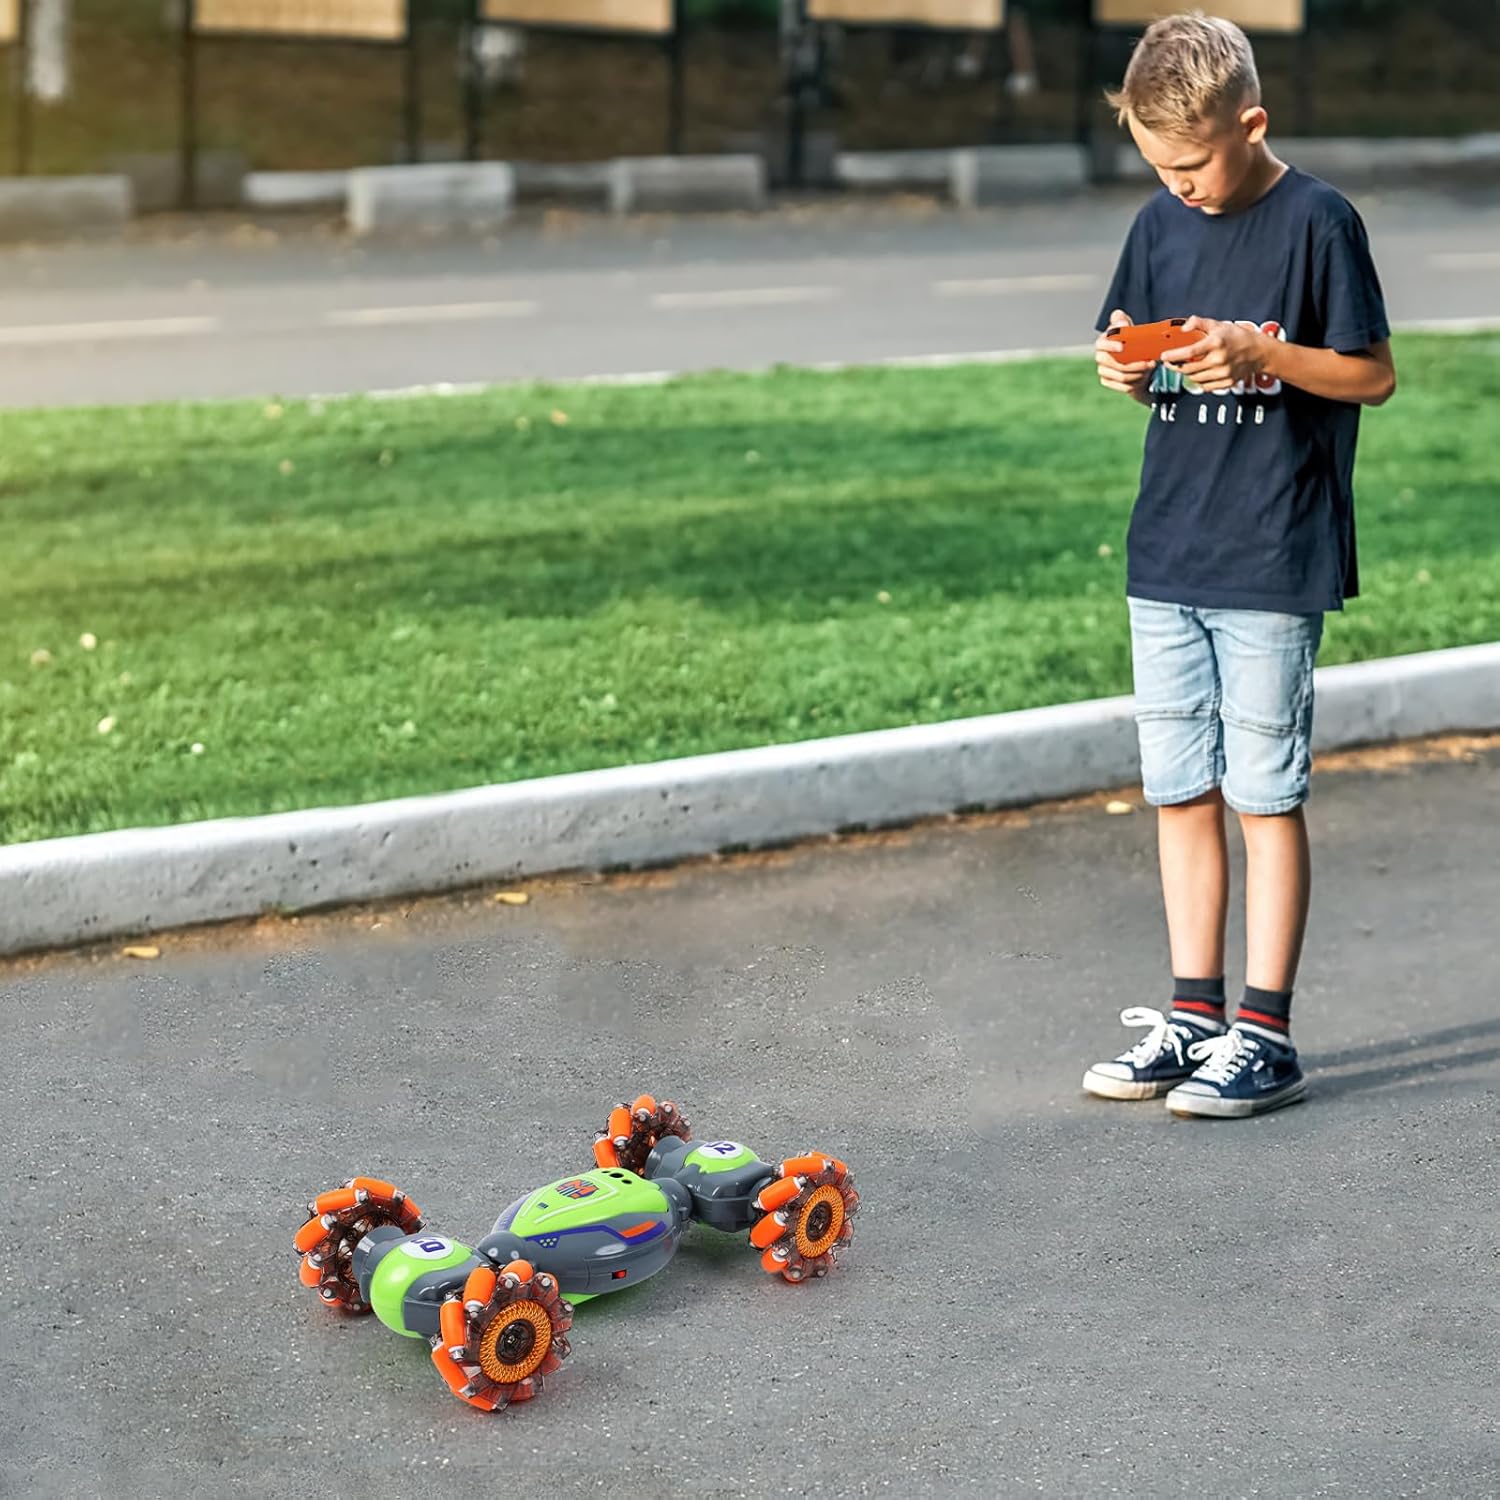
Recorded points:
(1164,1033)
(1221,1057)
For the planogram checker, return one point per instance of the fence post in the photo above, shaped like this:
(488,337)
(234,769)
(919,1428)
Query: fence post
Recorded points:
(1083,103)
(794,41)
(1303,66)
(473,102)
(187,183)
(21,80)
(412,85)
(676,86)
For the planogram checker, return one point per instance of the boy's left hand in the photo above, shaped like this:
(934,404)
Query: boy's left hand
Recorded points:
(1227,354)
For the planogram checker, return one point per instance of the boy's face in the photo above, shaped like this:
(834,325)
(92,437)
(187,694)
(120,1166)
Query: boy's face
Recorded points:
(1209,167)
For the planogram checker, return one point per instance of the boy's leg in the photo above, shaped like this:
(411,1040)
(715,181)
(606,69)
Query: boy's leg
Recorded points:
(1278,888)
(1266,665)
(1177,712)
(1178,696)
(1194,857)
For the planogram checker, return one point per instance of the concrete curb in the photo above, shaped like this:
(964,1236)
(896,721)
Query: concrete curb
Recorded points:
(1356,161)
(56,207)
(472,196)
(970,177)
(73,890)
(916,171)
(976,176)
(989,175)
(940,361)
(585,182)
(155,178)
(678,184)
(292,190)
(439,199)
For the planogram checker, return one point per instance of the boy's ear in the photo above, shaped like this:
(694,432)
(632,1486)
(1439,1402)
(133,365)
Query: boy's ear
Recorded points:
(1254,121)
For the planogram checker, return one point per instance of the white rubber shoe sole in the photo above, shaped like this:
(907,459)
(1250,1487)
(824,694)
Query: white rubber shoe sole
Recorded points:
(1211,1107)
(1095,1082)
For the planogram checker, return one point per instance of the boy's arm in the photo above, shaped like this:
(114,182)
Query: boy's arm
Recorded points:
(1368,378)
(1229,353)
(1130,286)
(1114,375)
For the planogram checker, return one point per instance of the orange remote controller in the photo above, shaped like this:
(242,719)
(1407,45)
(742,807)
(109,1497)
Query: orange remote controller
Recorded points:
(1143,341)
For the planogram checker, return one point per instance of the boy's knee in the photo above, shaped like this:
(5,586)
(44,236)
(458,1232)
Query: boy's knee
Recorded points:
(1213,798)
(1254,819)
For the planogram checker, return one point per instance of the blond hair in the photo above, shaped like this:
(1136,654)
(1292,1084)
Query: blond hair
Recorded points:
(1187,70)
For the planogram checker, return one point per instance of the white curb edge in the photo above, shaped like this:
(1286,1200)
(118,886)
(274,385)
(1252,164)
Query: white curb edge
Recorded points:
(941,361)
(66,891)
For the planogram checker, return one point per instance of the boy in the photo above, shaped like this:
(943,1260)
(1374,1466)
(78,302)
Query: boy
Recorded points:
(1241,538)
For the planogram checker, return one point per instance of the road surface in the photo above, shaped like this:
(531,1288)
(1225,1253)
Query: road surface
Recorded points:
(216,314)
(1047,1294)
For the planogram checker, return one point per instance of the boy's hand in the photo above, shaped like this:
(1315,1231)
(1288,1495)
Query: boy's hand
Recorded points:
(1113,375)
(1227,354)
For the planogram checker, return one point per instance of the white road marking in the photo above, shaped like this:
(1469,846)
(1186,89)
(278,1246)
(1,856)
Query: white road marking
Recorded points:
(662,377)
(126,328)
(1465,260)
(996,286)
(475,387)
(633,377)
(408,392)
(770,296)
(437,312)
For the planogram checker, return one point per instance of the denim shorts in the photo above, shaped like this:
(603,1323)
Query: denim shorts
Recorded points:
(1224,697)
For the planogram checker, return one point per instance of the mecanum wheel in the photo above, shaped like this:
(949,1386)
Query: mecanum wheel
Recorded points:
(505,1332)
(634,1129)
(808,1213)
(339,1220)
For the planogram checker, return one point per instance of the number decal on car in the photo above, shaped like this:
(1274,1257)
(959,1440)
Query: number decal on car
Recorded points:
(429,1247)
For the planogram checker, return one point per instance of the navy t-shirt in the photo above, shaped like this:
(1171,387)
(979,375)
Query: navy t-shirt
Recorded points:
(1246,498)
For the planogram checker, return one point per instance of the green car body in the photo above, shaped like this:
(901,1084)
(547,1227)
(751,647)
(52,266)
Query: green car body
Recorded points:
(597,1232)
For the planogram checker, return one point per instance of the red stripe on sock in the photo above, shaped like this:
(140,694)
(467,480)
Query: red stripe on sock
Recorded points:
(1260,1018)
(1202,1007)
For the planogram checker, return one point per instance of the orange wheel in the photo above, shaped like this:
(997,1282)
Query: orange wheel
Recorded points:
(338,1221)
(808,1217)
(497,1352)
(514,1347)
(633,1129)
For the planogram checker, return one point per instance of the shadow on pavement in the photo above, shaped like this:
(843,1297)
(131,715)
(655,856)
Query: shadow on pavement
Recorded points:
(1443,1051)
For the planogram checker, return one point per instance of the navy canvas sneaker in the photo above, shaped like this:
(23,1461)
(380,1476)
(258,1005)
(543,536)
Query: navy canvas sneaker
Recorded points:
(1243,1072)
(1157,1062)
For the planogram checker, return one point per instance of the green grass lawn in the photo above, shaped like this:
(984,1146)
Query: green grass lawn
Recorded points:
(365,599)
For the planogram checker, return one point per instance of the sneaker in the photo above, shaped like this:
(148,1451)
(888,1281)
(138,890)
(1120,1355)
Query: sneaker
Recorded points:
(1243,1072)
(1160,1060)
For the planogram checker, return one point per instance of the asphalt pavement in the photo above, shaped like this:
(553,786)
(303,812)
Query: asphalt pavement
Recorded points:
(217,308)
(1046,1294)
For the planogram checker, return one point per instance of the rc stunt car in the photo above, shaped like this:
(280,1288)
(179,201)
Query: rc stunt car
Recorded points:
(497,1317)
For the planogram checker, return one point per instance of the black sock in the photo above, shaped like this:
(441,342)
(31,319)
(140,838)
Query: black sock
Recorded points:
(1199,1000)
(1267,1010)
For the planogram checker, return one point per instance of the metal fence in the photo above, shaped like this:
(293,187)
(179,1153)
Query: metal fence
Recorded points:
(731,77)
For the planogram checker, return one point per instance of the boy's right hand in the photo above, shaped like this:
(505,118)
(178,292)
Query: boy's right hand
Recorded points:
(1113,375)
